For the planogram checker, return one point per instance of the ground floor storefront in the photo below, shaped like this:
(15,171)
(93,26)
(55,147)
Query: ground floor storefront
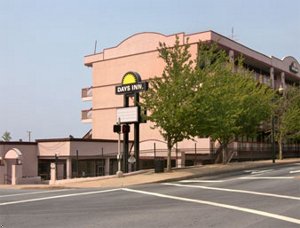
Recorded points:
(22,162)
(77,167)
(30,162)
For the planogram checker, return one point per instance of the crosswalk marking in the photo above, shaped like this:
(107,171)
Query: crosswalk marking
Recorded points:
(58,197)
(234,190)
(201,181)
(294,171)
(227,206)
(265,178)
(33,193)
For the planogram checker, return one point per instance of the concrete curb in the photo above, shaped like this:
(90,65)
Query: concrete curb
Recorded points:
(148,176)
(184,173)
(89,179)
(225,170)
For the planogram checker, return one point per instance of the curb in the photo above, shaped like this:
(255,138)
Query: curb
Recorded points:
(199,171)
(226,170)
(89,179)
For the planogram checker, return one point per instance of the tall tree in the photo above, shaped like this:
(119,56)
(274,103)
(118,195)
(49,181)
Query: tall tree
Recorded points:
(208,97)
(229,102)
(6,136)
(287,115)
(165,99)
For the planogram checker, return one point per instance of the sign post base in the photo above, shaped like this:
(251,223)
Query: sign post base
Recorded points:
(119,174)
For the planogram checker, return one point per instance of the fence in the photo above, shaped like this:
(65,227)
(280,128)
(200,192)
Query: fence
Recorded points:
(239,151)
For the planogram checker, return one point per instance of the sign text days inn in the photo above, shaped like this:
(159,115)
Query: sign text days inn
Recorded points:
(131,83)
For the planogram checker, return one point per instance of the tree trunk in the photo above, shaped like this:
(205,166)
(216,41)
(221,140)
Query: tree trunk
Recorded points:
(169,156)
(219,155)
(224,153)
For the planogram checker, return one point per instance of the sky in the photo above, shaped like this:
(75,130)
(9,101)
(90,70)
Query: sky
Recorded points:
(43,44)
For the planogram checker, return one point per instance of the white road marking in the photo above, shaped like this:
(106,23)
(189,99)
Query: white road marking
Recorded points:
(294,171)
(57,197)
(32,193)
(266,178)
(235,190)
(232,207)
(250,170)
(201,181)
(257,171)
(261,171)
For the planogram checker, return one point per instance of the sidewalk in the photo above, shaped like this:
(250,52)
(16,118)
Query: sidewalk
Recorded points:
(148,176)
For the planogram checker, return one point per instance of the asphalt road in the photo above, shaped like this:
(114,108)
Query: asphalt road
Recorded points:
(252,198)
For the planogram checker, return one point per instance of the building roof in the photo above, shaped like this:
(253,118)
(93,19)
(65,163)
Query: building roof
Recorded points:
(70,139)
(148,42)
(17,143)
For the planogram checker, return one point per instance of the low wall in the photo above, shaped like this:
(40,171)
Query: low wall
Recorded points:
(30,180)
(87,179)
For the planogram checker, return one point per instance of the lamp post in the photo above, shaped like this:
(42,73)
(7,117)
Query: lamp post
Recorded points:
(280,91)
(273,139)
(283,104)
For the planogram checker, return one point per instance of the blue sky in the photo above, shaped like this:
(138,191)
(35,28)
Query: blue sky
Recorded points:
(43,42)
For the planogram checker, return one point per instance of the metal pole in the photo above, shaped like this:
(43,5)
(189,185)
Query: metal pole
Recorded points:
(195,154)
(137,133)
(119,172)
(154,150)
(273,139)
(176,152)
(125,141)
(137,145)
(29,136)
(102,163)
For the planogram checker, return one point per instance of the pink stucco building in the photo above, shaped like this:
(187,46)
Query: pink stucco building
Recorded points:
(96,153)
(139,53)
(29,162)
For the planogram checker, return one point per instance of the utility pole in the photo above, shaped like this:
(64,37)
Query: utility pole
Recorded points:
(29,136)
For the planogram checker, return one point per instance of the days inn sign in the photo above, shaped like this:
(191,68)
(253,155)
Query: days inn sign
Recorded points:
(131,83)
(131,86)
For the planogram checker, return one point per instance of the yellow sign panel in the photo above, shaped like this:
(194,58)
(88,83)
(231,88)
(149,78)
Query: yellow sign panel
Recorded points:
(129,78)
(131,83)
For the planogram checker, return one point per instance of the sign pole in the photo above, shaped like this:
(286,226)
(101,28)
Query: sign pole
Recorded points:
(125,140)
(119,173)
(131,86)
(137,134)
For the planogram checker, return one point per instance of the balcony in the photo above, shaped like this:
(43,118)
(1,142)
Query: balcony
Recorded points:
(86,116)
(87,94)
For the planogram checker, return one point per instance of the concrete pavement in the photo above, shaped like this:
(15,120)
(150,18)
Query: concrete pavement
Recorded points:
(148,176)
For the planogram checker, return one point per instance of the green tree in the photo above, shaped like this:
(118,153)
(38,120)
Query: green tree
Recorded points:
(229,102)
(208,97)
(287,115)
(6,136)
(165,99)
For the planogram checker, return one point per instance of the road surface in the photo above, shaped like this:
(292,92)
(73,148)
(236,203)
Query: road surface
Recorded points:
(267,197)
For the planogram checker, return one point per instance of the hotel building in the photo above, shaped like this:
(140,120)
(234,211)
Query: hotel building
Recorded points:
(96,153)
(139,53)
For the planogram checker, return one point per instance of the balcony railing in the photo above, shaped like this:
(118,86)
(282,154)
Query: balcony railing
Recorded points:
(86,116)
(87,94)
